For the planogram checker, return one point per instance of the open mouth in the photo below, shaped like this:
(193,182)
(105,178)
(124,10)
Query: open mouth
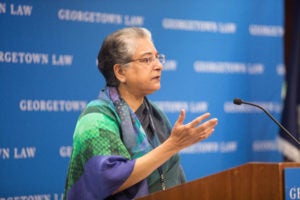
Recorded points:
(156,78)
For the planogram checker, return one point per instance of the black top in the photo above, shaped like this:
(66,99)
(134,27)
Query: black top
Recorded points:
(145,115)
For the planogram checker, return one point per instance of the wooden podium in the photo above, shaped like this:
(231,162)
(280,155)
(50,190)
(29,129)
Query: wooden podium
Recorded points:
(253,181)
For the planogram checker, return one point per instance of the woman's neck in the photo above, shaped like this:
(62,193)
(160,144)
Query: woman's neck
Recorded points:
(134,101)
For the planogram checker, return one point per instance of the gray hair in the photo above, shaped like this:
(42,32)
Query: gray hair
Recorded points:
(118,48)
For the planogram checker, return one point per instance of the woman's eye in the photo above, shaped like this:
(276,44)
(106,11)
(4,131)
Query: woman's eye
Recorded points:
(146,60)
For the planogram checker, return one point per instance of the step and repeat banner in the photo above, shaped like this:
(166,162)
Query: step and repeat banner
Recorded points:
(216,51)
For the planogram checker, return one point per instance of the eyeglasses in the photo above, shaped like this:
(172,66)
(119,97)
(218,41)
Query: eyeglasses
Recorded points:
(149,60)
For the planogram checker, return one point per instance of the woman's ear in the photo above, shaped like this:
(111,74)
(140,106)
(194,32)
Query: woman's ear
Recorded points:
(119,71)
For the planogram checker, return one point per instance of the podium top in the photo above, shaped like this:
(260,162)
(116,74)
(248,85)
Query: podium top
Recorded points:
(253,181)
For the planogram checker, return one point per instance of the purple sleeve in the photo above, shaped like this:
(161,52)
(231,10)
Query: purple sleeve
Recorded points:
(102,176)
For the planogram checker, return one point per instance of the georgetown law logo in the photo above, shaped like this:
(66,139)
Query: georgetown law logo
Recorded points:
(201,26)
(176,106)
(51,105)
(292,183)
(54,196)
(17,153)
(16,9)
(16,57)
(99,17)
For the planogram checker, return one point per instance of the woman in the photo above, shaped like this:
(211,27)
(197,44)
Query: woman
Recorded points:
(123,145)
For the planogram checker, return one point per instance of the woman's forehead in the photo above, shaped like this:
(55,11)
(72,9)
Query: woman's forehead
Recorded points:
(144,47)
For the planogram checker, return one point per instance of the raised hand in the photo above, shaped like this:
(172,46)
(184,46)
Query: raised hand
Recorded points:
(184,135)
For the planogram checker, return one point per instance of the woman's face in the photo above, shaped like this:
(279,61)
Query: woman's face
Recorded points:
(143,73)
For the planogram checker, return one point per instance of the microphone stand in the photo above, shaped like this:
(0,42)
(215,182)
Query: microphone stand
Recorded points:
(238,101)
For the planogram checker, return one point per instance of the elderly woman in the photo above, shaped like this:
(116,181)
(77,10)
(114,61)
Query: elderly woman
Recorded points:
(124,146)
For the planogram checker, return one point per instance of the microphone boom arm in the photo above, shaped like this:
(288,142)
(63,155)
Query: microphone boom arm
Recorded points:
(239,102)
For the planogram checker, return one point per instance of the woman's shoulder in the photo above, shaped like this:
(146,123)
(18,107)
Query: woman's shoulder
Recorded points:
(98,106)
(100,111)
(97,115)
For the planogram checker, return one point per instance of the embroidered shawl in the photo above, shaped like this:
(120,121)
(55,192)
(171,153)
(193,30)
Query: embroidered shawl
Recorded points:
(108,137)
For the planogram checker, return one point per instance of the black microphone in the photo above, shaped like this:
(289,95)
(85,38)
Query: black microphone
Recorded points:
(238,101)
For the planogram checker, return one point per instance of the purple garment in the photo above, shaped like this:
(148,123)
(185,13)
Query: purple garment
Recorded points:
(102,176)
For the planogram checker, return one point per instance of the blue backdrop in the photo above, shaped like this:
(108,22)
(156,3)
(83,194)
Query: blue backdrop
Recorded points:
(216,51)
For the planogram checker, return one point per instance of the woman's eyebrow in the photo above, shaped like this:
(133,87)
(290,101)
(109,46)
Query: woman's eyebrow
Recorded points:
(148,53)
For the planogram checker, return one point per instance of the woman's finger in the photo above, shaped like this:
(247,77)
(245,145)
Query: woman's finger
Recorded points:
(181,118)
(199,119)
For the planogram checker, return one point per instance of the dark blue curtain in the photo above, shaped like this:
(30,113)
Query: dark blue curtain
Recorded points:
(291,111)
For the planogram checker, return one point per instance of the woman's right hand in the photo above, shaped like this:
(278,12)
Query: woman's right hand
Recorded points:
(184,135)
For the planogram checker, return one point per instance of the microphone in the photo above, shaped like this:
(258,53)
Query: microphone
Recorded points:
(238,101)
